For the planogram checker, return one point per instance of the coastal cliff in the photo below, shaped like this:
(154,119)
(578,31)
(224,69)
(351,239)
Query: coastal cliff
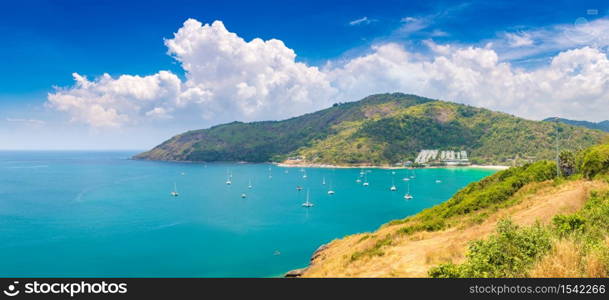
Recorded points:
(521,222)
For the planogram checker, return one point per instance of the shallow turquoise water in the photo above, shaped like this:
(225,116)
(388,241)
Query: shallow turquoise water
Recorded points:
(100,214)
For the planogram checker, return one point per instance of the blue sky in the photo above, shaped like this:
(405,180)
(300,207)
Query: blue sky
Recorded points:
(45,42)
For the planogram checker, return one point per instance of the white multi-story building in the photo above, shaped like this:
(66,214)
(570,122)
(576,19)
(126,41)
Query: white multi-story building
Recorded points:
(448,157)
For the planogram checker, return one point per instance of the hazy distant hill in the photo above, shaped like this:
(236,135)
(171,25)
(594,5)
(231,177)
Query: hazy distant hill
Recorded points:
(604,125)
(379,129)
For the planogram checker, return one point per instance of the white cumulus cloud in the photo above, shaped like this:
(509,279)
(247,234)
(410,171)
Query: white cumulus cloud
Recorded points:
(575,84)
(112,102)
(228,78)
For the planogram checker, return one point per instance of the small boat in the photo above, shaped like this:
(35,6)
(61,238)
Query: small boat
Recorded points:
(243,195)
(405,178)
(408,196)
(366,183)
(183,173)
(393,188)
(330,192)
(249,186)
(229,177)
(175,193)
(298,188)
(438,181)
(276,253)
(304,175)
(358,180)
(307,204)
(323,181)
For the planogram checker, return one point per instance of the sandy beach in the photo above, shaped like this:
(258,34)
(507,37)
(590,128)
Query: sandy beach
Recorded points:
(293,164)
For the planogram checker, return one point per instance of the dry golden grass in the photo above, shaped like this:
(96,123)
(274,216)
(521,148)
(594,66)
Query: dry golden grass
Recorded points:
(413,255)
(568,259)
(564,260)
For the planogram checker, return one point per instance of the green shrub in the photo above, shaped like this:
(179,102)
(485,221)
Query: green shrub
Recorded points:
(566,224)
(507,253)
(595,160)
(448,270)
(375,250)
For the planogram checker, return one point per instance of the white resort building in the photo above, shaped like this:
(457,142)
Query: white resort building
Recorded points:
(448,157)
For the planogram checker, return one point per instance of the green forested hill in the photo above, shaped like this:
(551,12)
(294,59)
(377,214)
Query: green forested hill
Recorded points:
(379,129)
(603,125)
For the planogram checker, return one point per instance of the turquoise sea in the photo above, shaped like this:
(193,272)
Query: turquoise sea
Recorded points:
(100,214)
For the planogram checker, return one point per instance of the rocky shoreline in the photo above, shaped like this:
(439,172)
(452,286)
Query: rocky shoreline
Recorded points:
(296,273)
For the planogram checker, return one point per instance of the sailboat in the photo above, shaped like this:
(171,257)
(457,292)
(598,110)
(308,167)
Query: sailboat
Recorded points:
(243,195)
(330,190)
(358,180)
(249,186)
(323,181)
(307,204)
(174,193)
(298,188)
(393,188)
(366,181)
(229,176)
(270,173)
(408,196)
(304,175)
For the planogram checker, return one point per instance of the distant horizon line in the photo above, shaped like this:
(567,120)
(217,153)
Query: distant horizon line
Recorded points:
(75,150)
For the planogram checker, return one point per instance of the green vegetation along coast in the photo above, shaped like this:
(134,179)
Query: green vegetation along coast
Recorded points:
(529,221)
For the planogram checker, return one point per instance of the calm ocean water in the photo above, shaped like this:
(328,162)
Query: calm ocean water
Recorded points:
(100,214)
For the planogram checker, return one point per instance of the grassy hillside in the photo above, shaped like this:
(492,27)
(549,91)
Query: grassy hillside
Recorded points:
(380,129)
(521,222)
(268,140)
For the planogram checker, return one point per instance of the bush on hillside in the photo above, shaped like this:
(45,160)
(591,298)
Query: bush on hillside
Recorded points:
(595,161)
(508,253)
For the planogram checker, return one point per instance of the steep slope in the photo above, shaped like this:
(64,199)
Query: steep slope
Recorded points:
(414,255)
(604,125)
(521,222)
(378,130)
